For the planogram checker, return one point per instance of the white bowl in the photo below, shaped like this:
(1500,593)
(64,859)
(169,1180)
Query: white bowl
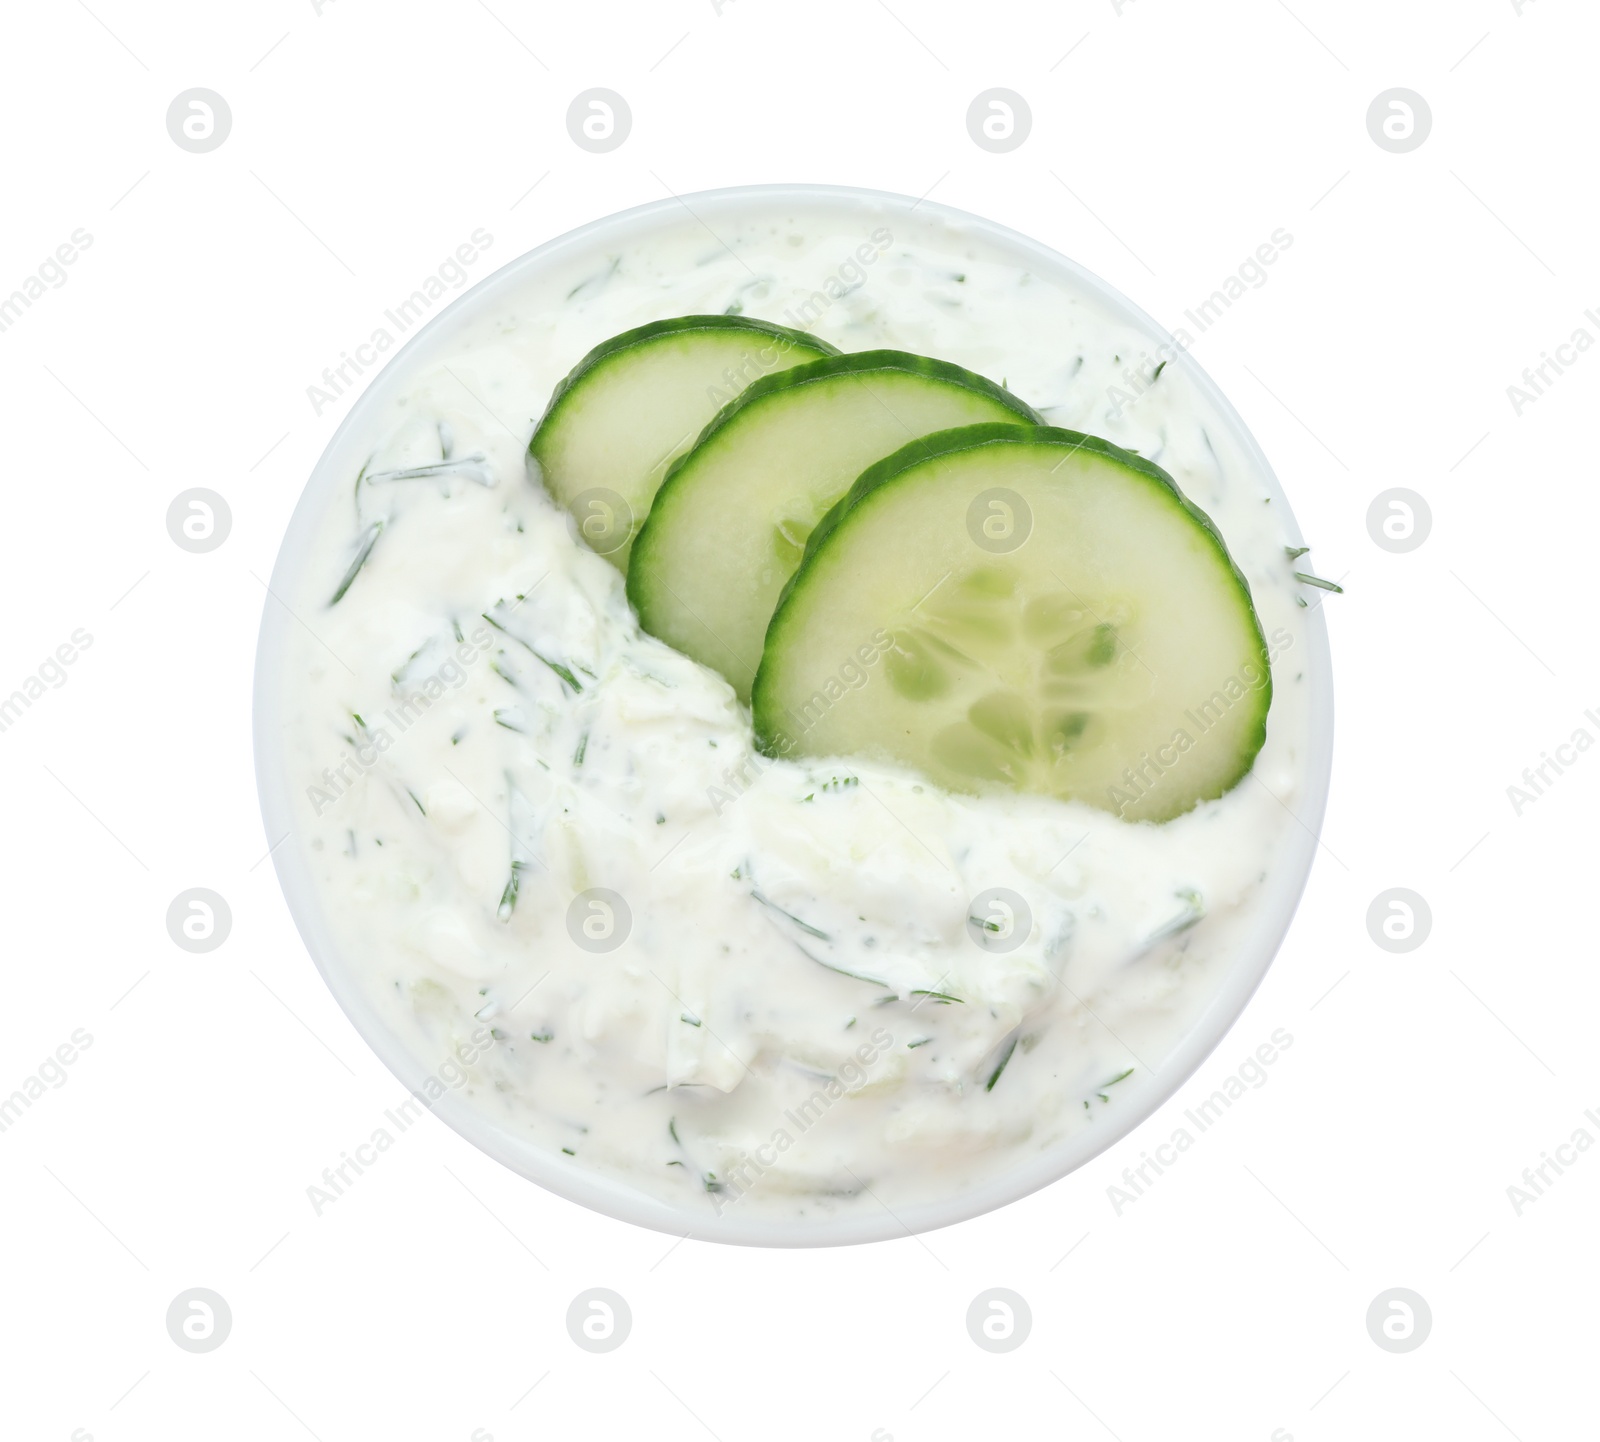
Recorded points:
(1272,911)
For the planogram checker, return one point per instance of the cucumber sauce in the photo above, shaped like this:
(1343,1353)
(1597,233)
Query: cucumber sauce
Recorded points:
(789,1004)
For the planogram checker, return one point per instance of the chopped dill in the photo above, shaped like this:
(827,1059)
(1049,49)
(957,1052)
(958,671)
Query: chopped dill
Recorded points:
(367,540)
(1005,1057)
(1100,1091)
(508,897)
(804,926)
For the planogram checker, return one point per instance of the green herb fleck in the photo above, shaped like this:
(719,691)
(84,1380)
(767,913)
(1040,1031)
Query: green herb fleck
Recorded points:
(1100,1091)
(508,897)
(804,926)
(567,678)
(368,539)
(1194,909)
(994,1076)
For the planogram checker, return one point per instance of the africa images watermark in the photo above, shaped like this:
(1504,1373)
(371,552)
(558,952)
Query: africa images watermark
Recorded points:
(1538,1179)
(51,1073)
(1537,780)
(450,1076)
(1139,374)
(737,1180)
(1250,1075)
(450,272)
(51,672)
(371,742)
(51,272)
(851,675)
(753,364)
(1537,380)
(849,276)
(1147,772)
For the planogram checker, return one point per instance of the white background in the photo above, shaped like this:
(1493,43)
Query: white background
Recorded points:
(1229,1301)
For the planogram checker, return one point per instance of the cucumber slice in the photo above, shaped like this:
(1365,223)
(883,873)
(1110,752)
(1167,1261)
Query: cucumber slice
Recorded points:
(1031,608)
(731,521)
(637,401)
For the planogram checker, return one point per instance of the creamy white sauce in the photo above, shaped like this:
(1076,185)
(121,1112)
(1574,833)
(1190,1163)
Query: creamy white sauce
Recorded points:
(713,1059)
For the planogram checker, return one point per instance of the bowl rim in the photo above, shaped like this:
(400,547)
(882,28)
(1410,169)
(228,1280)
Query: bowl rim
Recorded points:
(612,1196)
